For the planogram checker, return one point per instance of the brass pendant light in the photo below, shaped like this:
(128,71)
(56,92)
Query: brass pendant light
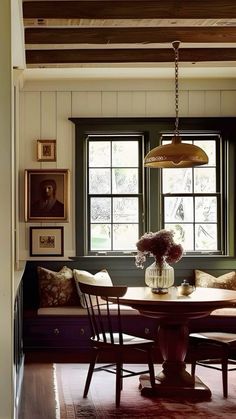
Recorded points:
(176,154)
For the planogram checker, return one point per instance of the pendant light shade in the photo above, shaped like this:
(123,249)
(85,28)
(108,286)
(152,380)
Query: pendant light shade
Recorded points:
(176,154)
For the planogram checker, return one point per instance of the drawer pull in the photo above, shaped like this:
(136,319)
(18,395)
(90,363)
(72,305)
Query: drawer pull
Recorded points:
(82,331)
(56,331)
(147,331)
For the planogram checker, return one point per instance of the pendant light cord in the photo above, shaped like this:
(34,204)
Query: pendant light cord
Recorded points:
(175,45)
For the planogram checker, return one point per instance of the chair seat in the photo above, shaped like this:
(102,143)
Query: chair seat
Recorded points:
(210,347)
(128,340)
(219,337)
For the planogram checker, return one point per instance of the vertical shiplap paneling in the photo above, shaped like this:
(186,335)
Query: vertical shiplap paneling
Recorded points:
(94,104)
(160,103)
(196,103)
(228,103)
(45,114)
(64,130)
(79,104)
(30,119)
(48,121)
(139,104)
(66,160)
(109,104)
(30,132)
(87,104)
(212,103)
(183,104)
(124,104)
(48,115)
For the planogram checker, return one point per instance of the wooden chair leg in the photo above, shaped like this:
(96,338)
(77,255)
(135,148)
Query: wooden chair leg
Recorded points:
(225,376)
(121,377)
(90,373)
(193,368)
(118,382)
(151,369)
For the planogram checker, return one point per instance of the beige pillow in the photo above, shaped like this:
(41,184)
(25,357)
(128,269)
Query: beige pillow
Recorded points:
(100,278)
(57,289)
(226,281)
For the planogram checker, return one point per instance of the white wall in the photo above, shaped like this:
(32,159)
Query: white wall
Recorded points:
(6,219)
(46,106)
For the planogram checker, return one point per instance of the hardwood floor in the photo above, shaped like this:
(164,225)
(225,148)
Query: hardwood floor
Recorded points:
(38,400)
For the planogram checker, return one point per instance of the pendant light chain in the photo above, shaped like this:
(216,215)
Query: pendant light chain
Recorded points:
(175,45)
(175,154)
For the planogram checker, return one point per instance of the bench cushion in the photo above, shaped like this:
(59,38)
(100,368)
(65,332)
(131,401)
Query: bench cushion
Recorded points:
(79,311)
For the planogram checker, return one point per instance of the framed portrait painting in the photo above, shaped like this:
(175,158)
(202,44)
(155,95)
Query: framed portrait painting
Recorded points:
(47,195)
(46,241)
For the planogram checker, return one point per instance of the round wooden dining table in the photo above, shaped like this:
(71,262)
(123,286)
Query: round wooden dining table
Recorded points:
(173,312)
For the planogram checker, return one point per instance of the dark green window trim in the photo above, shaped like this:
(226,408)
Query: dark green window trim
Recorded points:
(152,128)
(140,194)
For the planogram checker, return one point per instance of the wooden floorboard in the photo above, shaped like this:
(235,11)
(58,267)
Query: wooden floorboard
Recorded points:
(38,399)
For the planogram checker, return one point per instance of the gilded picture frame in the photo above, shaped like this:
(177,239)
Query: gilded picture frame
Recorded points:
(46,150)
(47,195)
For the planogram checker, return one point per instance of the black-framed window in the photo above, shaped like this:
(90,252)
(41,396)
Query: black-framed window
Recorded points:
(152,130)
(115,192)
(192,198)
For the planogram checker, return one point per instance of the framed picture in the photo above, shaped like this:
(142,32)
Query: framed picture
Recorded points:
(47,195)
(46,150)
(46,241)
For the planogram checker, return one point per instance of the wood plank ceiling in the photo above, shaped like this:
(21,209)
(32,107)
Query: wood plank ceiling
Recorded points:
(74,33)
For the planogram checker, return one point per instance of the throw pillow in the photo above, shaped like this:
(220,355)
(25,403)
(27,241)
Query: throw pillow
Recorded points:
(100,278)
(57,289)
(226,281)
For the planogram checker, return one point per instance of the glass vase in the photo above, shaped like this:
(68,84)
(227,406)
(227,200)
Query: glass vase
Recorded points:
(159,280)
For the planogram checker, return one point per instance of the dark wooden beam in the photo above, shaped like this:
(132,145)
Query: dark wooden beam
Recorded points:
(129,35)
(131,9)
(66,56)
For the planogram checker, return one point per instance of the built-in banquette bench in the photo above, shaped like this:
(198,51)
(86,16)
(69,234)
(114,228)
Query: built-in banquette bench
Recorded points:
(65,330)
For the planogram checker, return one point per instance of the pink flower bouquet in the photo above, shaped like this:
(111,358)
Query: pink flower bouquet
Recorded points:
(161,246)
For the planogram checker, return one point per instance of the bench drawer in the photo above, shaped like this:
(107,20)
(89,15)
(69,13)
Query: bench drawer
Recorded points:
(48,332)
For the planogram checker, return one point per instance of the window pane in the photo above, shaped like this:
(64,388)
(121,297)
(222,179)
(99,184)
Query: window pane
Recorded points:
(177,180)
(99,153)
(99,181)
(124,181)
(204,180)
(177,209)
(125,153)
(100,210)
(206,209)
(206,236)
(125,210)
(183,234)
(125,236)
(100,237)
(210,148)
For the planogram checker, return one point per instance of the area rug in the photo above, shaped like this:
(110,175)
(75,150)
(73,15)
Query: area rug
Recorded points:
(100,403)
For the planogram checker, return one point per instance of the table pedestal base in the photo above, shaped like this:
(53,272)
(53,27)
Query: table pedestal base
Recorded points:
(198,391)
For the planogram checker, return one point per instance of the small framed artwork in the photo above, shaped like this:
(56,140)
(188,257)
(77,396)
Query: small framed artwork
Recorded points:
(46,150)
(46,241)
(47,195)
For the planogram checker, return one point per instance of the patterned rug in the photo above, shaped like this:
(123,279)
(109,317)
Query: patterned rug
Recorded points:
(100,403)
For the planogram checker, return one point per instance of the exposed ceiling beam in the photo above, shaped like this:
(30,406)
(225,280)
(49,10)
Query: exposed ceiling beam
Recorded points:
(129,35)
(127,55)
(132,9)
